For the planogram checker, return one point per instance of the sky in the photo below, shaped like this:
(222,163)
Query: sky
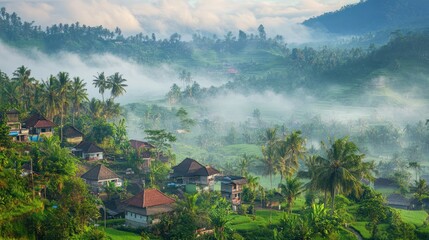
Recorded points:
(165,17)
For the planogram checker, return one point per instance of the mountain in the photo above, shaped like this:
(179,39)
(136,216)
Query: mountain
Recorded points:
(374,15)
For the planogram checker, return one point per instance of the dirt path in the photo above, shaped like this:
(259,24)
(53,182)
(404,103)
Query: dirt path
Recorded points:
(356,233)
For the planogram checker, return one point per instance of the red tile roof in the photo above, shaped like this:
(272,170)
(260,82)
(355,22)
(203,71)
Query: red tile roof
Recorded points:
(149,198)
(38,121)
(44,124)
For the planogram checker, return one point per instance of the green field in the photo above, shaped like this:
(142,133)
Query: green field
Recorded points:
(121,235)
(262,218)
(417,218)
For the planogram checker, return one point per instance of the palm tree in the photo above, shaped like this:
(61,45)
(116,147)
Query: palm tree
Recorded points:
(250,190)
(101,83)
(25,85)
(417,168)
(117,85)
(269,163)
(8,91)
(50,97)
(269,153)
(270,136)
(341,170)
(189,204)
(420,189)
(289,151)
(63,88)
(78,94)
(291,189)
(111,109)
(295,151)
(244,163)
(95,107)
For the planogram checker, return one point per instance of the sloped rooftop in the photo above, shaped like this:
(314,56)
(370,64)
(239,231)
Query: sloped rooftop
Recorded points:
(71,132)
(38,121)
(99,172)
(149,198)
(190,168)
(88,147)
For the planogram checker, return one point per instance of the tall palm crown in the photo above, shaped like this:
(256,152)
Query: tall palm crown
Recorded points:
(117,85)
(101,83)
(244,163)
(25,84)
(341,170)
(95,108)
(50,97)
(289,152)
(269,162)
(78,94)
(269,153)
(290,190)
(63,88)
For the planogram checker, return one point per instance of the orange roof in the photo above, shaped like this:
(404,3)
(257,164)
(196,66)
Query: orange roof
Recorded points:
(149,198)
(44,124)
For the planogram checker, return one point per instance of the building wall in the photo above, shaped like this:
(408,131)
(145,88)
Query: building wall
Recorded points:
(93,156)
(75,140)
(136,220)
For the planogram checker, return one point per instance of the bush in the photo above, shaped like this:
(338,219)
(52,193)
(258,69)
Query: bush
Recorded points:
(257,234)
(251,210)
(242,209)
(423,232)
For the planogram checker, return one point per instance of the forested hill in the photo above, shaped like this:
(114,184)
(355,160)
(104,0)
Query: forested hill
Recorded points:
(374,15)
(252,61)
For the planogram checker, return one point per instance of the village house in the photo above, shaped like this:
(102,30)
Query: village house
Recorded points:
(16,132)
(99,176)
(39,126)
(146,208)
(146,150)
(190,171)
(72,135)
(88,150)
(232,189)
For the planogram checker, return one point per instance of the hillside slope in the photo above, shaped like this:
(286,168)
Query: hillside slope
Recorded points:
(374,15)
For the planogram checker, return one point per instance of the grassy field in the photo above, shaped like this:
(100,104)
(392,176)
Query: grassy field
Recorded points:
(360,227)
(262,218)
(414,217)
(121,235)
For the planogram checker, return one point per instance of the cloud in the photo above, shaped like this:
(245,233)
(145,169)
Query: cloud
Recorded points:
(110,14)
(165,17)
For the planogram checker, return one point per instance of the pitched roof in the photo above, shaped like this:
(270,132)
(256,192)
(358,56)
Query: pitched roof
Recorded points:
(88,147)
(38,121)
(385,182)
(235,179)
(397,199)
(140,144)
(99,172)
(71,132)
(149,198)
(189,168)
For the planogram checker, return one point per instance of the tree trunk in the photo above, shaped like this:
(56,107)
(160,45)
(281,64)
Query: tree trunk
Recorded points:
(332,201)
(61,127)
(326,199)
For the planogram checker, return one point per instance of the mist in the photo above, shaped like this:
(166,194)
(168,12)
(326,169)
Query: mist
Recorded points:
(301,104)
(144,82)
